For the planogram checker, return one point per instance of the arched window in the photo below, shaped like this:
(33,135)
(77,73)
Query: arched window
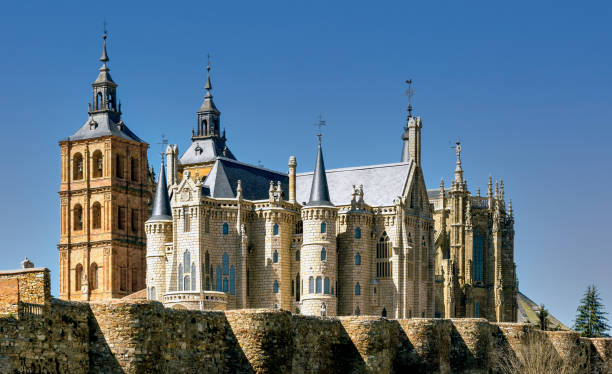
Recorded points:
(225,264)
(477,263)
(275,229)
(384,312)
(186,282)
(180,277)
(186,260)
(275,286)
(119,166)
(97,164)
(275,256)
(193,276)
(225,229)
(357,289)
(77,172)
(326,286)
(218,286)
(93,276)
(319,285)
(323,227)
(357,259)
(78,274)
(383,254)
(78,217)
(153,294)
(311,285)
(134,169)
(358,233)
(323,254)
(204,127)
(96,215)
(232,281)
(99,101)
(297,287)
(357,311)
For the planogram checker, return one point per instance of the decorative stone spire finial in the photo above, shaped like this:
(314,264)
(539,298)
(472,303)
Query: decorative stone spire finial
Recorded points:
(510,211)
(490,190)
(458,169)
(501,189)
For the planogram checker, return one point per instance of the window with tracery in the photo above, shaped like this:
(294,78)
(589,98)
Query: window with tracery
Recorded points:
(383,256)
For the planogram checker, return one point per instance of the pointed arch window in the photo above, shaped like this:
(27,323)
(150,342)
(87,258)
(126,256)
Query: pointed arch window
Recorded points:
(383,254)
(186,260)
(275,229)
(180,277)
(93,276)
(232,280)
(78,217)
(323,254)
(96,215)
(225,263)
(384,312)
(311,285)
(297,287)
(275,286)
(326,286)
(319,285)
(323,227)
(78,167)
(78,274)
(358,233)
(357,289)
(225,228)
(218,286)
(97,164)
(357,259)
(275,256)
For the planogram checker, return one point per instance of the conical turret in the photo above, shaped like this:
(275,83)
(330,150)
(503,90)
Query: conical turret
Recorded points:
(319,192)
(161,205)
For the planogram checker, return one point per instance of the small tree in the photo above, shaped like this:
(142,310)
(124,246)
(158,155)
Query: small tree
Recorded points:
(591,318)
(542,318)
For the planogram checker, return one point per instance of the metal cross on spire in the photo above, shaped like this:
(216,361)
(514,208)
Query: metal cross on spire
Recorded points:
(163,143)
(320,125)
(105,31)
(410,92)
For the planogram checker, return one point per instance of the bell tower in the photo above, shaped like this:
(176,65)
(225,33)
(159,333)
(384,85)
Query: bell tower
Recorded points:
(105,187)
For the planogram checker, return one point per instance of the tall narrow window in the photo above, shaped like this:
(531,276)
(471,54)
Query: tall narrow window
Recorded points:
(326,286)
(225,229)
(323,254)
(218,286)
(225,264)
(275,256)
(297,255)
(357,311)
(134,220)
(477,263)
(193,276)
(121,218)
(311,285)
(225,285)
(476,309)
(186,222)
(357,259)
(180,277)
(153,294)
(357,289)
(99,101)
(275,286)
(297,287)
(97,164)
(123,279)
(248,282)
(383,254)
(275,229)
(319,281)
(78,167)
(119,166)
(186,282)
(358,233)
(186,260)
(78,274)
(232,280)
(78,217)
(96,215)
(134,169)
(299,227)
(93,276)
(323,227)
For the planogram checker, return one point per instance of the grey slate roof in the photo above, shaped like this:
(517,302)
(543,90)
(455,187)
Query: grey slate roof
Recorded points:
(105,126)
(381,183)
(211,149)
(434,193)
(223,178)
(319,192)
(161,205)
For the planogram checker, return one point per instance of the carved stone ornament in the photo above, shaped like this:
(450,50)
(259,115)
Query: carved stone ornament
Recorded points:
(185,195)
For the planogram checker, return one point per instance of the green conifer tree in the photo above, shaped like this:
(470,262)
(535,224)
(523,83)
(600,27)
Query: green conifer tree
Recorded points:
(591,318)
(542,318)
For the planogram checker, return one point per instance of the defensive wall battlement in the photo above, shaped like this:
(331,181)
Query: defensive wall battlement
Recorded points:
(137,336)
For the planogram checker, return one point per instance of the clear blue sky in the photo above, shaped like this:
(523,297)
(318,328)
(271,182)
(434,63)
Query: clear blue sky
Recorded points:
(524,85)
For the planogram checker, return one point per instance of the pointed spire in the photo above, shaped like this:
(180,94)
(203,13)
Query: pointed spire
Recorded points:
(319,192)
(501,189)
(161,205)
(104,58)
(208,85)
(490,190)
(458,169)
(104,75)
(208,105)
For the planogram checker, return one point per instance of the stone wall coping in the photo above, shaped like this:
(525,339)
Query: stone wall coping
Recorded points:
(23,271)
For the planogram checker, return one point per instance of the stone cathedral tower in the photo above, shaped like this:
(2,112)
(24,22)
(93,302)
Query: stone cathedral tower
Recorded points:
(104,193)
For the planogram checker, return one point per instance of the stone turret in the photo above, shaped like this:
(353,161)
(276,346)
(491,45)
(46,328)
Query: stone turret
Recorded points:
(158,229)
(318,265)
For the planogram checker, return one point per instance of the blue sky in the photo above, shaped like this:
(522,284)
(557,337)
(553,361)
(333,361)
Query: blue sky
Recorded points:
(525,86)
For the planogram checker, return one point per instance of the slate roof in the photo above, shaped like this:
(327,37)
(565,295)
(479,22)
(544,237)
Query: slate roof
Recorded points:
(319,192)
(105,126)
(161,205)
(223,178)
(211,149)
(434,193)
(381,183)
(527,313)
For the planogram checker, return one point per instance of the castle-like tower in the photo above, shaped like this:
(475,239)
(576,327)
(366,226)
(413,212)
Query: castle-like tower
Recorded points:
(104,193)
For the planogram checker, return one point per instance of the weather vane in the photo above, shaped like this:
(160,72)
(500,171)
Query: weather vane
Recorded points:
(320,125)
(208,66)
(457,148)
(410,92)
(164,143)
(105,32)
